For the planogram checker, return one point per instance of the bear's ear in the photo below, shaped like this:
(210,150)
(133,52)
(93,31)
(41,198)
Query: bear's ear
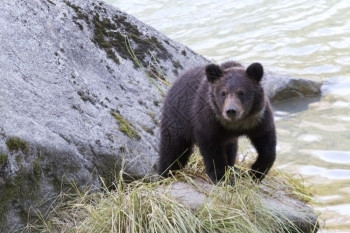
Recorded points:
(255,71)
(213,72)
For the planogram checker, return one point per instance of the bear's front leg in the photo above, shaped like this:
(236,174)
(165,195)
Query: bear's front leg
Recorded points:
(265,145)
(231,152)
(214,158)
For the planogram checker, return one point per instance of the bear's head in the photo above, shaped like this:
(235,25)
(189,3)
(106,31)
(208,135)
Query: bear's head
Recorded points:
(236,94)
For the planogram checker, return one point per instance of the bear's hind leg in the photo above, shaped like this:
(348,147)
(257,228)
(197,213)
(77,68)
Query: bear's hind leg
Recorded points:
(174,155)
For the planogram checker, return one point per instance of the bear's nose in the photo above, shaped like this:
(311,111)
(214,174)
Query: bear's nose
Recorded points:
(231,112)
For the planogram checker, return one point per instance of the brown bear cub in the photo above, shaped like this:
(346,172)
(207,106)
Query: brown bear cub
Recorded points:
(212,106)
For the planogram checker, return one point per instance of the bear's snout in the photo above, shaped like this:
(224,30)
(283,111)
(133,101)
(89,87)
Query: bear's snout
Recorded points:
(231,112)
(232,109)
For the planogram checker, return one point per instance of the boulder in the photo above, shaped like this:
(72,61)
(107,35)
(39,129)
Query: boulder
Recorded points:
(82,86)
(282,87)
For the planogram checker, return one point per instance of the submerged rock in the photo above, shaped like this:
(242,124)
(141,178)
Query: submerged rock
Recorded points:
(82,86)
(280,87)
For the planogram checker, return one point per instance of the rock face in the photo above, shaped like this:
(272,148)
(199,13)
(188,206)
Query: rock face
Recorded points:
(82,86)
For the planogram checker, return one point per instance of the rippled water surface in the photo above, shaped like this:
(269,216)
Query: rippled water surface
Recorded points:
(306,39)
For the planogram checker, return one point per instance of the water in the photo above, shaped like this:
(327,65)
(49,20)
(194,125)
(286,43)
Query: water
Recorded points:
(306,39)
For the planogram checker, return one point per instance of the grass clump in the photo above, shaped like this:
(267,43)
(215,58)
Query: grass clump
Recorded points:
(143,206)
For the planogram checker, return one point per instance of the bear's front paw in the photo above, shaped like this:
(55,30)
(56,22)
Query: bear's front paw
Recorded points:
(256,175)
(232,175)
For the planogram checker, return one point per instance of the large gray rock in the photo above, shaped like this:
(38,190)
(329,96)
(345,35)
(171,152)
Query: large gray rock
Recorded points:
(82,85)
(75,104)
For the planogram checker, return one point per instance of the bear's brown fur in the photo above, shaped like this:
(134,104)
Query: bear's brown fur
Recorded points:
(212,106)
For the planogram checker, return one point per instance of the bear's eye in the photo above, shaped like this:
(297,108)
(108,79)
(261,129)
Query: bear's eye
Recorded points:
(223,93)
(240,93)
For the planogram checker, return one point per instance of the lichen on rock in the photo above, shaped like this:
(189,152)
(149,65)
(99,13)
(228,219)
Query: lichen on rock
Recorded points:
(126,127)
(3,160)
(17,144)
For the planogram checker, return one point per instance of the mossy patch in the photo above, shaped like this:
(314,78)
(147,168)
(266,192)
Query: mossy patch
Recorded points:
(118,35)
(122,39)
(17,144)
(100,34)
(3,160)
(79,14)
(23,188)
(126,127)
